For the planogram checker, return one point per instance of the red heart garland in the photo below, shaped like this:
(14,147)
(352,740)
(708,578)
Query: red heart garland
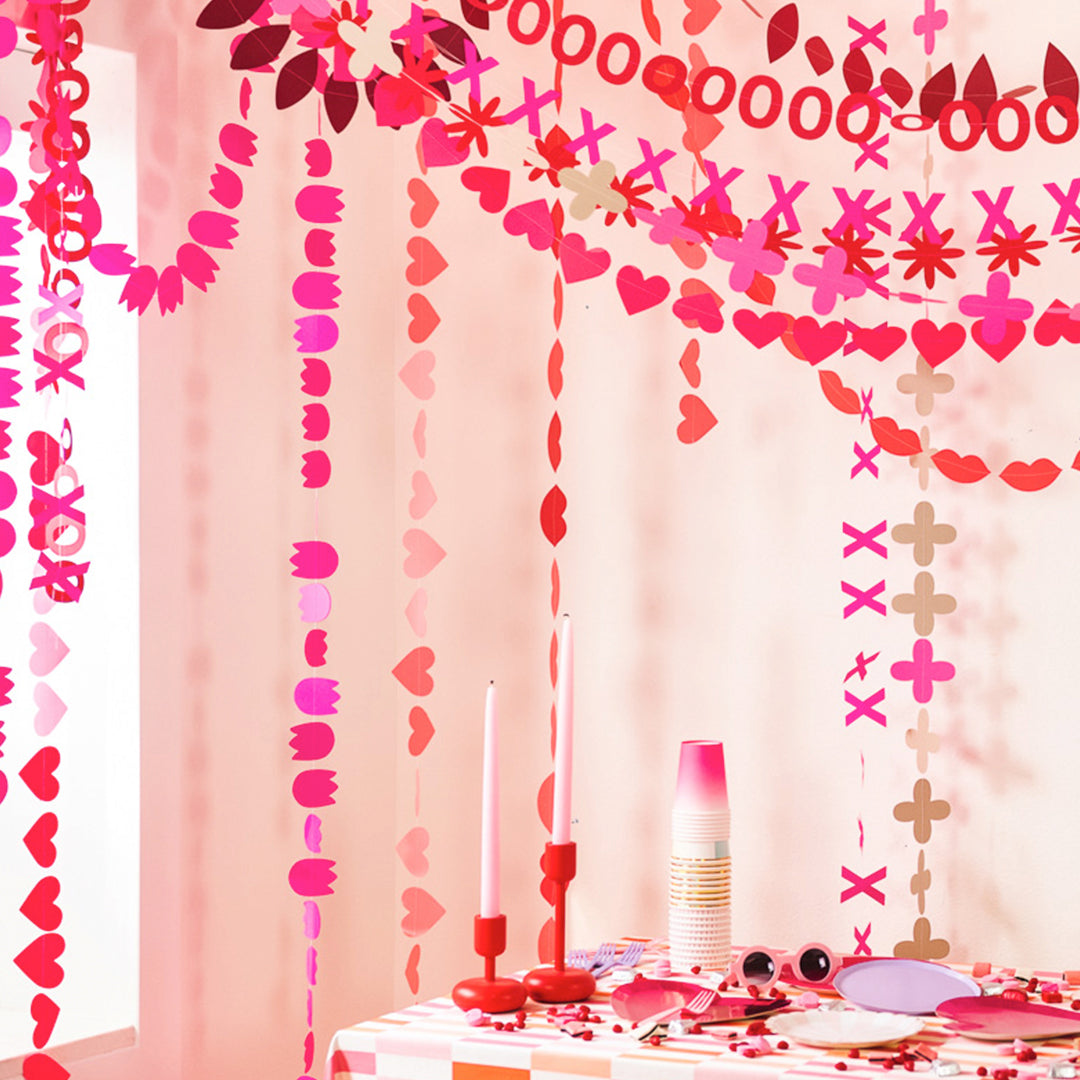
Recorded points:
(39,839)
(40,906)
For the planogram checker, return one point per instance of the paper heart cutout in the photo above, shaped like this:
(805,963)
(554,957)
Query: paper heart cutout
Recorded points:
(45,1012)
(424,553)
(701,14)
(639,293)
(422,911)
(423,495)
(1056,323)
(43,1067)
(50,709)
(39,840)
(579,263)
(47,457)
(552,511)
(815,341)
(412,671)
(532,220)
(691,255)
(697,421)
(38,961)
(424,318)
(439,149)
(937,343)
(40,906)
(881,342)
(1014,334)
(37,773)
(492,185)
(424,202)
(688,363)
(701,129)
(759,330)
(699,311)
(416,612)
(411,850)
(419,433)
(427,261)
(412,970)
(423,730)
(416,375)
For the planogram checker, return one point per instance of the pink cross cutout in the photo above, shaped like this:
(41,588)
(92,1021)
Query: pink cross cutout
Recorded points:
(867,35)
(927,24)
(922,671)
(784,203)
(829,281)
(651,164)
(414,30)
(862,939)
(717,186)
(871,153)
(867,412)
(1067,207)
(863,885)
(922,217)
(748,255)
(668,225)
(865,460)
(996,308)
(472,69)
(590,137)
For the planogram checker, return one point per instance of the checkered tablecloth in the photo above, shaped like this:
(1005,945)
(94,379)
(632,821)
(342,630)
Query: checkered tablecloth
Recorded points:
(433,1041)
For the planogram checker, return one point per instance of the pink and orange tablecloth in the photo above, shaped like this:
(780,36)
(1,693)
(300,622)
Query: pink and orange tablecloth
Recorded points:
(433,1041)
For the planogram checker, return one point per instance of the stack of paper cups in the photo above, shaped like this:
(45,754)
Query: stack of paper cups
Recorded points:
(699,896)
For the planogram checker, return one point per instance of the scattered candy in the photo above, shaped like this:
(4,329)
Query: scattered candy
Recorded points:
(783,1044)
(840,1066)
(1062,1070)
(808,1000)
(941,1067)
(654,1040)
(617,1028)
(477,1018)
(662,968)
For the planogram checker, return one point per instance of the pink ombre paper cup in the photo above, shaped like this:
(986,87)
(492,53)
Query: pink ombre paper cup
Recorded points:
(701,785)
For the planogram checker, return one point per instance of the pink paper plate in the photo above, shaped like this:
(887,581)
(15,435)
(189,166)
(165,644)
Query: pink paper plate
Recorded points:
(893,984)
(1002,1019)
(646,997)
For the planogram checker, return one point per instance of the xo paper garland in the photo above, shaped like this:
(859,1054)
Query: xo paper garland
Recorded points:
(315,293)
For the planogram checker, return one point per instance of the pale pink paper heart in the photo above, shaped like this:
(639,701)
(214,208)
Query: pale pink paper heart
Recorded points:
(49,649)
(412,848)
(50,709)
(416,612)
(416,374)
(422,911)
(424,553)
(423,495)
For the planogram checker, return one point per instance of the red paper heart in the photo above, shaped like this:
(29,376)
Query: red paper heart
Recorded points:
(37,773)
(688,363)
(424,318)
(936,344)
(492,185)
(533,221)
(411,849)
(45,1012)
(47,457)
(579,263)
(697,421)
(699,311)
(880,342)
(422,729)
(815,341)
(1056,323)
(1034,477)
(422,911)
(438,148)
(424,553)
(412,970)
(423,498)
(759,330)
(412,671)
(38,961)
(639,293)
(43,1067)
(552,511)
(40,906)
(39,840)
(427,261)
(424,202)
(1014,334)
(701,14)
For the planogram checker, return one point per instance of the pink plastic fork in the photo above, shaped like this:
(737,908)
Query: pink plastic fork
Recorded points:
(698,1004)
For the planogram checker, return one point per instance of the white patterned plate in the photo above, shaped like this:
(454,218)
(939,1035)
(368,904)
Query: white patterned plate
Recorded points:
(845,1028)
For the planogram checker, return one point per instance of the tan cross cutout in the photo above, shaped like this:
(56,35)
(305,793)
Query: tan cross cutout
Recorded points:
(922,811)
(924,384)
(924,603)
(593,190)
(923,741)
(922,946)
(924,534)
(924,459)
(920,882)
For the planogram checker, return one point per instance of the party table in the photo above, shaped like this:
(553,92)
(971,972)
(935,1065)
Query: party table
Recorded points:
(434,1041)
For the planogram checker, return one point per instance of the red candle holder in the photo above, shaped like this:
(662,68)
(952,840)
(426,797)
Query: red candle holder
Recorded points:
(558,983)
(489,993)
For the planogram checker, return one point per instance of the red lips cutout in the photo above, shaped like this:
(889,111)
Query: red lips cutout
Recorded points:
(838,395)
(964,470)
(1030,477)
(893,439)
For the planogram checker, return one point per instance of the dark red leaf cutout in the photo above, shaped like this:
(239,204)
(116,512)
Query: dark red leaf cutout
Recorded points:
(783,32)
(857,74)
(261,46)
(939,90)
(297,78)
(450,41)
(1059,76)
(817,52)
(896,86)
(980,88)
(225,14)
(475,16)
(341,99)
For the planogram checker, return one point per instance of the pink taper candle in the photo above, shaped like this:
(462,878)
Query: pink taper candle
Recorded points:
(489,816)
(564,736)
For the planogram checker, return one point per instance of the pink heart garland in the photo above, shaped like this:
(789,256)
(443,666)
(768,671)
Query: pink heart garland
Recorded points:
(49,649)
(411,850)
(38,773)
(492,185)
(424,202)
(699,310)
(424,553)
(39,840)
(532,220)
(423,730)
(38,961)
(1014,334)
(579,263)
(639,293)
(816,341)
(416,374)
(50,709)
(413,671)
(45,1012)
(416,612)
(412,970)
(423,495)
(880,342)
(937,343)
(438,148)
(422,911)
(40,906)
(759,330)
(698,419)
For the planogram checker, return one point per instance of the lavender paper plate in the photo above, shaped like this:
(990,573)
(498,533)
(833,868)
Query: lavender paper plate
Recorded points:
(915,987)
